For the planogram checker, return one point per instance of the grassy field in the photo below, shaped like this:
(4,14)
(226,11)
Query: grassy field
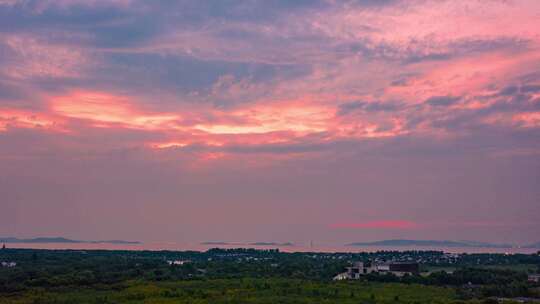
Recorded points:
(243,291)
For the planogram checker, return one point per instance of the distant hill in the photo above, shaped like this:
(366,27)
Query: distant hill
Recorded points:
(430,243)
(533,245)
(45,240)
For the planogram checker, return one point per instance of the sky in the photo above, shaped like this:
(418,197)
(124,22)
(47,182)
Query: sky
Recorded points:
(284,121)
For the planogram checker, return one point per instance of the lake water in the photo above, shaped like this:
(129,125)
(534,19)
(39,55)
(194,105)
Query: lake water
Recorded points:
(296,248)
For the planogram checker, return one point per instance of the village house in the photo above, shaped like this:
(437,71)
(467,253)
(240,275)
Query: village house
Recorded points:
(534,278)
(178,262)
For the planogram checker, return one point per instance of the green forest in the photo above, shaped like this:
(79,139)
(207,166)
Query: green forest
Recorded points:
(257,276)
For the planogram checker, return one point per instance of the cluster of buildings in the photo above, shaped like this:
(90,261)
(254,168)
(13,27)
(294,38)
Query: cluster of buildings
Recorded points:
(8,264)
(358,269)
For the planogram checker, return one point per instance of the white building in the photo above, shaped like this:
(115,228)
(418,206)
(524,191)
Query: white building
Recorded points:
(178,262)
(358,269)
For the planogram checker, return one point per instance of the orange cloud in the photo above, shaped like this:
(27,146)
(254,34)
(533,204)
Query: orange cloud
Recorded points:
(104,110)
(299,119)
(288,121)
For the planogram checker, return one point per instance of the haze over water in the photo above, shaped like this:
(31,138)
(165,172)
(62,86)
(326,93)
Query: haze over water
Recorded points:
(293,248)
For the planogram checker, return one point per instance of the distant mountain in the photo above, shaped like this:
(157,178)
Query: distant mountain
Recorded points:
(431,243)
(533,245)
(45,240)
(38,240)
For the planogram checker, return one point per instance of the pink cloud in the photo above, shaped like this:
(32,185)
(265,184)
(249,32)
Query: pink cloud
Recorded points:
(354,55)
(35,57)
(14,118)
(529,120)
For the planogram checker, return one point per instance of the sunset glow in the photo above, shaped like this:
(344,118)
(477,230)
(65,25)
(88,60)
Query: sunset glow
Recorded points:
(328,120)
